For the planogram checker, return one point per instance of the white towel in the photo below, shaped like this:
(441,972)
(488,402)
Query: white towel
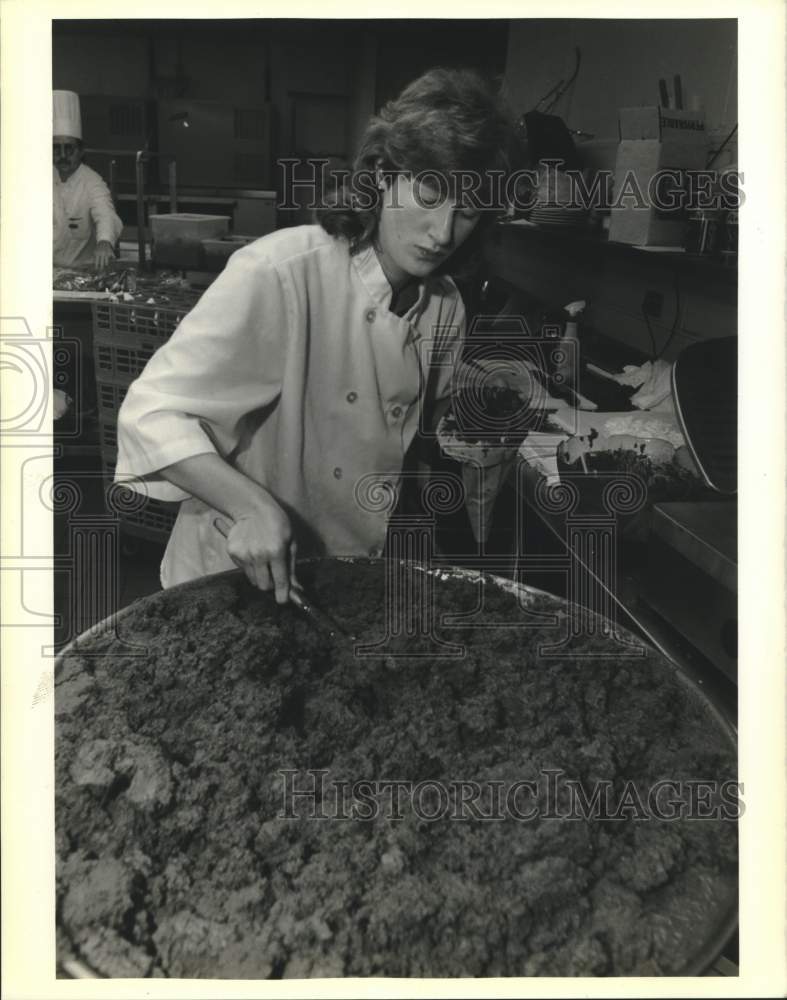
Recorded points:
(654,379)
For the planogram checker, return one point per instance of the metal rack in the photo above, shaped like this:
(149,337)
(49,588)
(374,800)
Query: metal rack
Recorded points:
(141,157)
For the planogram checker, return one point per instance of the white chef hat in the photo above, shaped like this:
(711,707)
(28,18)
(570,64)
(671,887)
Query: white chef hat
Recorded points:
(66,116)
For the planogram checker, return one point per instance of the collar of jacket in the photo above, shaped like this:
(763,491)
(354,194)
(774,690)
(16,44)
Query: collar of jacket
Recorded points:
(370,271)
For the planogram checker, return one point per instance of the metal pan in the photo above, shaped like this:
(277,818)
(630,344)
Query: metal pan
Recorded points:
(718,936)
(705,390)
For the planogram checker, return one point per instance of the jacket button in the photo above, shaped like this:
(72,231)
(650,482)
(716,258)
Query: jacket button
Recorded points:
(351,397)
(370,316)
(337,473)
(396,412)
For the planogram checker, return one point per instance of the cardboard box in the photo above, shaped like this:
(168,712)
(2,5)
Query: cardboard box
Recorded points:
(653,140)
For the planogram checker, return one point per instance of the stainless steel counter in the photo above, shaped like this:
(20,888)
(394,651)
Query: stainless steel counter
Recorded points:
(681,602)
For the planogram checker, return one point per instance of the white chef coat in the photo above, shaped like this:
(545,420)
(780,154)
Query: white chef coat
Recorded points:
(83,216)
(292,367)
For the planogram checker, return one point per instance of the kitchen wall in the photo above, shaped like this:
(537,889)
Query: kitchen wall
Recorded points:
(321,77)
(128,59)
(239,63)
(408,48)
(622,62)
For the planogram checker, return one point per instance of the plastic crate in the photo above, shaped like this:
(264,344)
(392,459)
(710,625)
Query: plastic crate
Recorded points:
(124,361)
(156,322)
(152,519)
(108,433)
(110,396)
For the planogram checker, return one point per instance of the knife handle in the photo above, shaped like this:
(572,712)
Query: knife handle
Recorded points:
(299,600)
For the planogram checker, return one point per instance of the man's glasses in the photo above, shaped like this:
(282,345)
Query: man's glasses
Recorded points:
(63,148)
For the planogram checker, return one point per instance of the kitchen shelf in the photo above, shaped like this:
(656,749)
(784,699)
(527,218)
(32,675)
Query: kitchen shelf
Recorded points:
(184,197)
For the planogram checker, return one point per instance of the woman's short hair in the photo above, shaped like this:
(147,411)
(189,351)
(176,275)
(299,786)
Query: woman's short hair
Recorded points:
(448,122)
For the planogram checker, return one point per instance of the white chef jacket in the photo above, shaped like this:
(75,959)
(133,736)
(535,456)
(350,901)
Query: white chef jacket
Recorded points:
(292,367)
(83,216)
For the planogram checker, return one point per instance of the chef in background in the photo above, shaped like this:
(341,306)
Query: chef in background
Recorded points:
(86,226)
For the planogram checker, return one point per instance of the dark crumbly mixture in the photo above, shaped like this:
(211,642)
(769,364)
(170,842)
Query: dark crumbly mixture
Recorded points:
(172,858)
(492,415)
(665,481)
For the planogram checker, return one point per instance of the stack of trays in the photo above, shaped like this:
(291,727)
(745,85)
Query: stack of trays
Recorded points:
(558,215)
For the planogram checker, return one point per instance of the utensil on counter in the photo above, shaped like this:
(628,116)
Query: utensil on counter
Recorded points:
(677,84)
(317,617)
(678,92)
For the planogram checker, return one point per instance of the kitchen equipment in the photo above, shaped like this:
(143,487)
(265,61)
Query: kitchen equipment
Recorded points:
(548,138)
(729,236)
(178,236)
(704,232)
(678,92)
(705,390)
(691,579)
(216,252)
(654,139)
(559,217)
(708,940)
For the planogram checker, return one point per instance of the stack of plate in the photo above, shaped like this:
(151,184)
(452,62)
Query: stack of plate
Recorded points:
(558,215)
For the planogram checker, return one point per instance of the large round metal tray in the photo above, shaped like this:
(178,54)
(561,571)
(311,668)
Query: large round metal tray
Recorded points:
(718,937)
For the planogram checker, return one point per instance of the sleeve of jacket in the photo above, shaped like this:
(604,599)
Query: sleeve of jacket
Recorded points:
(224,362)
(102,212)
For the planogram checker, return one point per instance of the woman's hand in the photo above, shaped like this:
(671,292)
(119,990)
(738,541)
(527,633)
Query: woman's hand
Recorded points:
(261,544)
(257,528)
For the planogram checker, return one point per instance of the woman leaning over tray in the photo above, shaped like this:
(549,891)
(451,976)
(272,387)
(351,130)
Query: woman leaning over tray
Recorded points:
(309,362)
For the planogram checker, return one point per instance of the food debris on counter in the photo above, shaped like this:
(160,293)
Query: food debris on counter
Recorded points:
(122,284)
